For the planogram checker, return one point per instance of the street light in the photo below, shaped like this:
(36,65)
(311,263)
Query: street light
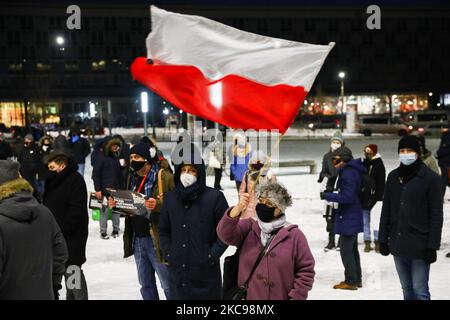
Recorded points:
(144,109)
(342,76)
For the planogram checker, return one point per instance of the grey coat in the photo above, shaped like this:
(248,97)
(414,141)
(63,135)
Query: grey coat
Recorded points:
(33,252)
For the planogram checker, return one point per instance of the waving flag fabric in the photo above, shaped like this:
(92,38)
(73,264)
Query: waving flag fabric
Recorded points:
(236,78)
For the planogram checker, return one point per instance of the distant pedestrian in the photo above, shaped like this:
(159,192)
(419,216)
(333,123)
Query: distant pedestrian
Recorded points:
(30,160)
(427,158)
(5,148)
(80,147)
(45,148)
(239,158)
(443,156)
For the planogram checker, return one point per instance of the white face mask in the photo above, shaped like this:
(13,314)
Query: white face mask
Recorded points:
(187,179)
(407,158)
(335,146)
(45,148)
(152,152)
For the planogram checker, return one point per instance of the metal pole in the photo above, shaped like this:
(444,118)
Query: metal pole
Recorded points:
(109,117)
(145,123)
(153,115)
(342,106)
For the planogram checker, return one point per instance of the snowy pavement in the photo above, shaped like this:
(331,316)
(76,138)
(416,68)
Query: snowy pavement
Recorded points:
(110,277)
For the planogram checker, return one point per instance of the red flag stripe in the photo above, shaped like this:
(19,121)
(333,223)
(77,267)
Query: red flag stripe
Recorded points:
(246,104)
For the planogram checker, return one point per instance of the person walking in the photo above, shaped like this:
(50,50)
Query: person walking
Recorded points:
(33,251)
(66,197)
(45,147)
(286,271)
(411,220)
(348,215)
(427,158)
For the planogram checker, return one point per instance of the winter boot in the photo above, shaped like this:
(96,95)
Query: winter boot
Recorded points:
(367,247)
(115,234)
(104,236)
(345,286)
(448,255)
(377,246)
(330,244)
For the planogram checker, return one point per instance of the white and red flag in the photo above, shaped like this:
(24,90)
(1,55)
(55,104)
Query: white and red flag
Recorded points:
(217,72)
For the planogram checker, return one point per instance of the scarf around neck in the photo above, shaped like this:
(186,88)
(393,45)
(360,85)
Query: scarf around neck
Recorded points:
(267,228)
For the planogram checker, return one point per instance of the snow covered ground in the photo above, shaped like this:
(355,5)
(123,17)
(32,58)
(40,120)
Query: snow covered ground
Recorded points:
(109,276)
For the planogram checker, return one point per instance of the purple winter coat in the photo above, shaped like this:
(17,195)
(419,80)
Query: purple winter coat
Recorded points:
(286,271)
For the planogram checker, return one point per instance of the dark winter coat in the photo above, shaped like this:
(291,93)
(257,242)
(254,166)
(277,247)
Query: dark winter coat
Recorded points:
(412,214)
(377,171)
(81,150)
(106,172)
(348,215)
(33,252)
(328,171)
(66,197)
(61,142)
(43,168)
(30,161)
(443,153)
(5,150)
(189,240)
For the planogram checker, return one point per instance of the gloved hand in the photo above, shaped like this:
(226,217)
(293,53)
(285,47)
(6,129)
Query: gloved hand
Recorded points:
(430,256)
(384,249)
(322,196)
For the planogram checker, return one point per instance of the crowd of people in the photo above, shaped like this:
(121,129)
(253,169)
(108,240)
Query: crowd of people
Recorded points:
(186,226)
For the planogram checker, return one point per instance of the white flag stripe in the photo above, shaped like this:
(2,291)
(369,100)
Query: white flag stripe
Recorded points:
(218,49)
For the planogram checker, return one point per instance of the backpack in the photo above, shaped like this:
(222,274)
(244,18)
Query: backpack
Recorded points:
(367,192)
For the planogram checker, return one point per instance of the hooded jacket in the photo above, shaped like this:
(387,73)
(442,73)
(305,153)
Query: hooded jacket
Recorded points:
(30,160)
(349,217)
(107,172)
(43,169)
(33,252)
(187,231)
(377,172)
(66,197)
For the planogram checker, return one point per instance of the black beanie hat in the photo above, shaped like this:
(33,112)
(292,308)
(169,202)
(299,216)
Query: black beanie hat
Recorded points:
(142,149)
(409,142)
(343,152)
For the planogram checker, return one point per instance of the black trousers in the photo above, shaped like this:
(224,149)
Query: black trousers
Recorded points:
(217,178)
(350,259)
(444,177)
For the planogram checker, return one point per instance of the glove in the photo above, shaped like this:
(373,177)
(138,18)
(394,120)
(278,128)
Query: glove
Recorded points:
(430,256)
(384,249)
(322,196)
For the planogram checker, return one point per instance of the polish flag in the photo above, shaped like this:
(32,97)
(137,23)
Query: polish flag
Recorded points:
(239,79)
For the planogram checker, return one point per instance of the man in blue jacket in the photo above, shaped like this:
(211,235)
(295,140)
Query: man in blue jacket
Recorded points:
(348,215)
(187,230)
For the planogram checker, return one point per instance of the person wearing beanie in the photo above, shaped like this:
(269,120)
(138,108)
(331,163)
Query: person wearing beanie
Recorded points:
(372,205)
(327,179)
(140,236)
(30,240)
(66,196)
(187,231)
(29,158)
(411,219)
(348,214)
(107,174)
(286,271)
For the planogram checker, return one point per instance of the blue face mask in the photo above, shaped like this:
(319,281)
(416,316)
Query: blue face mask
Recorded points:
(75,138)
(407,158)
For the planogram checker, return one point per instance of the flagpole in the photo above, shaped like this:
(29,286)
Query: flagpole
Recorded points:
(268,161)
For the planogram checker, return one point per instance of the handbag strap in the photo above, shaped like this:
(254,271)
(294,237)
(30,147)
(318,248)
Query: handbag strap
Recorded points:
(258,260)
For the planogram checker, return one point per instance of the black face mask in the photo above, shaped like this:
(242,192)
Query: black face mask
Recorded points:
(265,214)
(137,165)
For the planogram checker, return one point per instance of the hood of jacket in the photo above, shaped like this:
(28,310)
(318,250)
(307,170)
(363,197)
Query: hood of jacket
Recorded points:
(200,167)
(108,142)
(17,201)
(356,164)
